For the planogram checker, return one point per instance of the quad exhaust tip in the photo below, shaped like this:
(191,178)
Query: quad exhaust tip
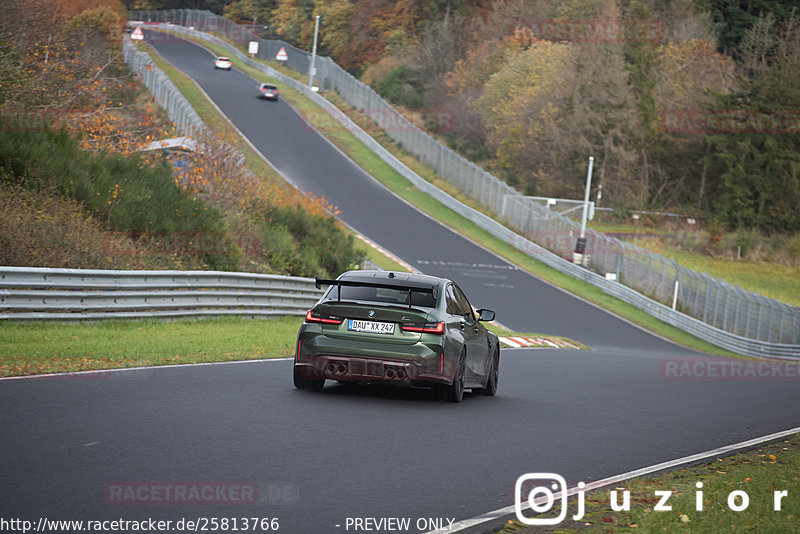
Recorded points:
(340,368)
(336,369)
(392,373)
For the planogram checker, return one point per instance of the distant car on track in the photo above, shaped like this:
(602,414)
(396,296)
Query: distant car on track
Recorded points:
(378,327)
(223,63)
(268,91)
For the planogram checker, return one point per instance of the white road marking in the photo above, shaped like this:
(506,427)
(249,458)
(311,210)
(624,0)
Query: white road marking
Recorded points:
(151,367)
(644,471)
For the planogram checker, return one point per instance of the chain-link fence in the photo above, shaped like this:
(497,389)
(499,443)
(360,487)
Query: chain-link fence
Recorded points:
(719,304)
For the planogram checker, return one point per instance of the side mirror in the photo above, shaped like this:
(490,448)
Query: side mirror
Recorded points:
(485,315)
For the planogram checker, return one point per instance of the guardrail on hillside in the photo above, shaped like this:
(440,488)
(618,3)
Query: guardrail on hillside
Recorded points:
(756,328)
(163,90)
(85,294)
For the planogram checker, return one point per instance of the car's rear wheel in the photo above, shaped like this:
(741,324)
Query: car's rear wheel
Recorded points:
(315,384)
(299,381)
(306,382)
(455,391)
(491,381)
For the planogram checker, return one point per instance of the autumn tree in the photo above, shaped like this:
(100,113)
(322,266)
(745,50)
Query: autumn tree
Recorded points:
(251,11)
(335,33)
(521,105)
(292,21)
(35,59)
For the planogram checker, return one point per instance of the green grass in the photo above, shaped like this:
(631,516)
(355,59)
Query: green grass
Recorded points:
(384,173)
(758,472)
(47,347)
(625,228)
(28,348)
(768,278)
(773,280)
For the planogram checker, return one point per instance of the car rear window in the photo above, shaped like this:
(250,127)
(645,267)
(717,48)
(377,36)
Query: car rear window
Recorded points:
(382,295)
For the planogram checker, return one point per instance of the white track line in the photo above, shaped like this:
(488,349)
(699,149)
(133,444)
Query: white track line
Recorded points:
(695,458)
(123,369)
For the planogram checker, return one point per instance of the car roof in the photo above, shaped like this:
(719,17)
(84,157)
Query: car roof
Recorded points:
(268,85)
(223,58)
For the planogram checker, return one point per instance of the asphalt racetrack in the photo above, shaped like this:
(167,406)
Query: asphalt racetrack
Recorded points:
(245,444)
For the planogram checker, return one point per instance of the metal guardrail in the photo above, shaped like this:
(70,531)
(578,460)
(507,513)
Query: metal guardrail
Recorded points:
(164,91)
(782,321)
(85,294)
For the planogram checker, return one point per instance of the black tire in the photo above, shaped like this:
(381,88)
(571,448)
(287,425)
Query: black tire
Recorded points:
(299,381)
(315,384)
(455,391)
(304,382)
(491,381)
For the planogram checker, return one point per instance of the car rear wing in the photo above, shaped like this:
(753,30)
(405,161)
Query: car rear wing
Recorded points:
(409,287)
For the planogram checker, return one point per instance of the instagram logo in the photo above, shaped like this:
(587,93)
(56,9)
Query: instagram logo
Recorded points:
(540,491)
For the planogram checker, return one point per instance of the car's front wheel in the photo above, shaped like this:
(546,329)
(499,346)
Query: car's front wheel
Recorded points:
(455,391)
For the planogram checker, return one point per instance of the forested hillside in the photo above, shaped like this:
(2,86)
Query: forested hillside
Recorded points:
(78,191)
(692,105)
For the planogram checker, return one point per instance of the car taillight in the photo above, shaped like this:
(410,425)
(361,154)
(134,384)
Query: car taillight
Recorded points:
(316,318)
(426,328)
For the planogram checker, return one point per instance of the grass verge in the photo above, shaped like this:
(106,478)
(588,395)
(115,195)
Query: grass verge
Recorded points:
(47,347)
(781,282)
(29,348)
(777,279)
(759,473)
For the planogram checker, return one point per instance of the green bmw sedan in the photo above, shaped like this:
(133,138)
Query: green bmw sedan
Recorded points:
(379,327)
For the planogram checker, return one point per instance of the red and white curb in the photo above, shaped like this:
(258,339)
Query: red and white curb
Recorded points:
(520,342)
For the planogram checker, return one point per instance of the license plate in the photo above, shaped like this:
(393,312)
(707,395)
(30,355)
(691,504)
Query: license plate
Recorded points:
(374,327)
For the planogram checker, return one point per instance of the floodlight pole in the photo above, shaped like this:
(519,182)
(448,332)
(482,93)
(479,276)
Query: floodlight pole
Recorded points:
(312,67)
(580,248)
